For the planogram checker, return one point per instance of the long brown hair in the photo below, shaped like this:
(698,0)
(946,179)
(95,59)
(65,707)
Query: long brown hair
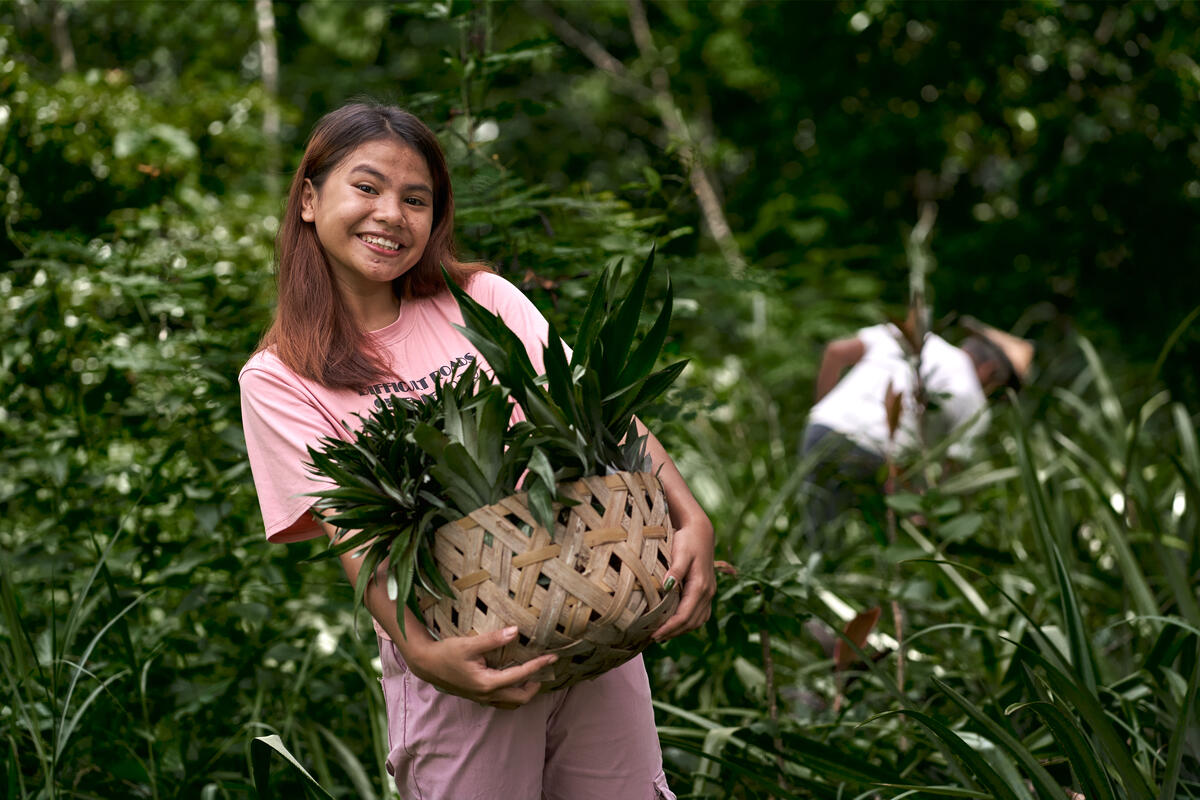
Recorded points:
(313,332)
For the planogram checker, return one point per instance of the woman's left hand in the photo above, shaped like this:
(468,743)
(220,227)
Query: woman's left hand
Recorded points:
(692,567)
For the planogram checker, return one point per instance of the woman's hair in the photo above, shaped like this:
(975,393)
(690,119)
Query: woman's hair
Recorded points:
(313,332)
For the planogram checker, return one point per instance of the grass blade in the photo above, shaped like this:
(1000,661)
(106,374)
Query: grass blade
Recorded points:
(1187,718)
(1087,705)
(260,758)
(65,728)
(1042,781)
(967,755)
(1085,765)
(350,763)
(1083,659)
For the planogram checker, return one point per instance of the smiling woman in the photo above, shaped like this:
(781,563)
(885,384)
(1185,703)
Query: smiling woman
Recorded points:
(373,215)
(368,170)
(365,313)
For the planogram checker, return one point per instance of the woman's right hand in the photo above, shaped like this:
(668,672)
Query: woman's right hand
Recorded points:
(456,665)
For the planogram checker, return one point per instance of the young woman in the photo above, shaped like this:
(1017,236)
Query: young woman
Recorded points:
(363,311)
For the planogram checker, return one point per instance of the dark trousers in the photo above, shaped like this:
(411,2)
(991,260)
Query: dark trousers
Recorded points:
(844,476)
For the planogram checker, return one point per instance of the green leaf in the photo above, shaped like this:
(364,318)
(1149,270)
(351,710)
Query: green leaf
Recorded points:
(646,354)
(558,378)
(431,440)
(984,771)
(491,420)
(619,330)
(540,465)
(589,325)
(501,348)
(1186,720)
(905,503)
(652,178)
(541,506)
(1083,702)
(1045,524)
(1092,777)
(961,528)
(260,758)
(1042,781)
(652,388)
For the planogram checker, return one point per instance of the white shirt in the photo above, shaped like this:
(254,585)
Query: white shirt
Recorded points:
(857,406)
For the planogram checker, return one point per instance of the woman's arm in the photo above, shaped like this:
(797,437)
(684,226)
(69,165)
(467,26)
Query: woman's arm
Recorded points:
(692,552)
(456,664)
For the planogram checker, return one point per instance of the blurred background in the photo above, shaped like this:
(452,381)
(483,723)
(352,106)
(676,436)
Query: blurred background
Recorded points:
(1033,164)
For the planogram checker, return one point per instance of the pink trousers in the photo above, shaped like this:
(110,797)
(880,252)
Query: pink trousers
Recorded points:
(593,741)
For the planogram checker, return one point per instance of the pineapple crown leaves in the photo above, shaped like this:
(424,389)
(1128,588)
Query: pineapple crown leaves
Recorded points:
(585,410)
(415,464)
(399,477)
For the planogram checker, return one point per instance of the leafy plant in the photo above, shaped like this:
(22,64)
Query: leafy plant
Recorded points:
(583,411)
(383,494)
(416,464)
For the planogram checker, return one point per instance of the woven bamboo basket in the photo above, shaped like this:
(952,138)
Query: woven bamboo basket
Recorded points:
(592,593)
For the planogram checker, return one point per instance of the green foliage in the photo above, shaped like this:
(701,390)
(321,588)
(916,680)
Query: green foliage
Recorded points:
(1002,629)
(414,465)
(583,417)
(146,628)
(380,500)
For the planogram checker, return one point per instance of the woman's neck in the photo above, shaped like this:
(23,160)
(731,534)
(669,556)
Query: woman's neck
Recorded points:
(374,310)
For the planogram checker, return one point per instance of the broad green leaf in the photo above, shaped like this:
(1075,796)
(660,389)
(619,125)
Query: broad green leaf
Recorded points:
(905,503)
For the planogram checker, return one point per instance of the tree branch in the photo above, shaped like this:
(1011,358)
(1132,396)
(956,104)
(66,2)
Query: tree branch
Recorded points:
(265,17)
(702,184)
(660,97)
(61,35)
(268,50)
(593,51)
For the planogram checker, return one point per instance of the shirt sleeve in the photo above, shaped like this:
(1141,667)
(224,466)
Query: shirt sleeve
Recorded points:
(874,336)
(280,422)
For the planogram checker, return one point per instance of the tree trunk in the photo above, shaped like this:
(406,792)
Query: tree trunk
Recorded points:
(61,36)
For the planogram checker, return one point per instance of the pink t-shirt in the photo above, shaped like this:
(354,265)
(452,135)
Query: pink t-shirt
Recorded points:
(283,413)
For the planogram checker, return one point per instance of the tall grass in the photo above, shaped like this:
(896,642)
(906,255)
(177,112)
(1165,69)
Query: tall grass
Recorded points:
(51,682)
(1050,643)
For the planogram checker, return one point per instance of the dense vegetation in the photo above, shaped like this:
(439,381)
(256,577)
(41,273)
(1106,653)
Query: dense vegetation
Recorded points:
(1036,164)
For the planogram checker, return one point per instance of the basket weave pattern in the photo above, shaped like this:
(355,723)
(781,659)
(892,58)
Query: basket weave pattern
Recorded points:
(591,594)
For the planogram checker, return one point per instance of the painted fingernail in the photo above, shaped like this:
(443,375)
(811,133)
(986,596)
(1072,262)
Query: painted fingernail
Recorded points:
(670,584)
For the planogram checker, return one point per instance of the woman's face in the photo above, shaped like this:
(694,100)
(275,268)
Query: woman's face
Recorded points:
(373,214)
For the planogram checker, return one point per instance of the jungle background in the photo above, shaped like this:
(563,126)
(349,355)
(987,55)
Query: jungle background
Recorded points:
(801,166)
